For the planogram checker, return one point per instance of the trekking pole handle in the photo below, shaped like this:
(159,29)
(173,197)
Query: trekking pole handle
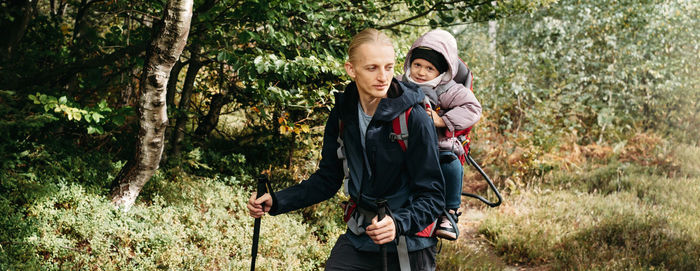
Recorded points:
(381,209)
(381,213)
(262,188)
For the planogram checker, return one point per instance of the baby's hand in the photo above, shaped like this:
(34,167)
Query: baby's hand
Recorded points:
(437,120)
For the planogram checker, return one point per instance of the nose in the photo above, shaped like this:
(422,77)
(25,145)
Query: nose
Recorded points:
(381,76)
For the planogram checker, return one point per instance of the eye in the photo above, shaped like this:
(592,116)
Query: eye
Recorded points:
(371,68)
(390,67)
(430,68)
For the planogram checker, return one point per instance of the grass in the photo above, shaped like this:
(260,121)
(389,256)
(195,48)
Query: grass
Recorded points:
(619,216)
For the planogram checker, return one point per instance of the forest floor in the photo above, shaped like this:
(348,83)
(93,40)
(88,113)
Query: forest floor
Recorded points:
(472,250)
(613,216)
(483,254)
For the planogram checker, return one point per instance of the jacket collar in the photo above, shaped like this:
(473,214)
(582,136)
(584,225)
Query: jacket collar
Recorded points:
(401,96)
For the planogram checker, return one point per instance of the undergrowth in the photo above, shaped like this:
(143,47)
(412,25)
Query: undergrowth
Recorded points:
(58,216)
(73,229)
(620,215)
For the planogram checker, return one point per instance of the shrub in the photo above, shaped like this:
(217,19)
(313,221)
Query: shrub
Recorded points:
(196,225)
(601,69)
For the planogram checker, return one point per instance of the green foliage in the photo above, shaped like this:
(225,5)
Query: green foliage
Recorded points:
(195,225)
(599,69)
(15,128)
(277,59)
(94,117)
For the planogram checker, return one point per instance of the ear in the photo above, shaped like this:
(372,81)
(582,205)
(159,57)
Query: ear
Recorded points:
(350,69)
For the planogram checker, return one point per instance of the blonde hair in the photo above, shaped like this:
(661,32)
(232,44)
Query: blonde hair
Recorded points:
(369,35)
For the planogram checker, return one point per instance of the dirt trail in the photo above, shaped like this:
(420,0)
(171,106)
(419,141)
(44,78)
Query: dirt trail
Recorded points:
(475,246)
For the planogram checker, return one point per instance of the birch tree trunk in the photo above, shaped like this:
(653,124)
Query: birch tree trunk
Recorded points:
(169,40)
(493,29)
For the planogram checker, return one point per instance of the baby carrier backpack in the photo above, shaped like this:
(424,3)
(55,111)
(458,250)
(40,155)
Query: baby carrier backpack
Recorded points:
(464,76)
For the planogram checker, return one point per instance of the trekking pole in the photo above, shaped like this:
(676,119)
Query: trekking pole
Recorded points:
(381,213)
(263,187)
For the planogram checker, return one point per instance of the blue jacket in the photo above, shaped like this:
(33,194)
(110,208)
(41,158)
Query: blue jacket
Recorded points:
(410,181)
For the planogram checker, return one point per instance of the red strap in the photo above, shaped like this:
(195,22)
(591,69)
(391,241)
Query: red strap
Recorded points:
(396,126)
(428,231)
(348,209)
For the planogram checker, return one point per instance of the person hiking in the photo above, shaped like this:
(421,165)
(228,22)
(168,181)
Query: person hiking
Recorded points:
(432,63)
(357,135)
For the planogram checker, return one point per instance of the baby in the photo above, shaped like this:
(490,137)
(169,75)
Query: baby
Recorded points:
(432,63)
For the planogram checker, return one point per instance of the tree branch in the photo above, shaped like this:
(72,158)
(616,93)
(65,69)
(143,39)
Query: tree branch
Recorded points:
(424,13)
(57,73)
(431,9)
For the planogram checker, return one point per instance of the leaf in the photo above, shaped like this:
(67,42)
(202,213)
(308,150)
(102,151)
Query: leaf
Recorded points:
(258,62)
(62,100)
(77,115)
(103,106)
(119,120)
(221,56)
(95,130)
(97,116)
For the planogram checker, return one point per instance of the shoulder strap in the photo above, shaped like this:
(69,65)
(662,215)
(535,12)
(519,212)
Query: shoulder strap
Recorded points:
(439,90)
(341,155)
(469,83)
(400,127)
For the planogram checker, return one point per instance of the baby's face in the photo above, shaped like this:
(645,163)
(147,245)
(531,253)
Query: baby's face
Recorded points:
(423,71)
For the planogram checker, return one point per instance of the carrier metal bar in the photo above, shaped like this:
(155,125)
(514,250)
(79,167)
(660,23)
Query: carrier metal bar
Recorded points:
(488,180)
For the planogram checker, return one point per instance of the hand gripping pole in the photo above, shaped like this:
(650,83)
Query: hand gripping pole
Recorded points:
(381,213)
(263,187)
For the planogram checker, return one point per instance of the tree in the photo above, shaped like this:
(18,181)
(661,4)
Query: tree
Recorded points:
(284,57)
(165,49)
(15,19)
(598,70)
(278,61)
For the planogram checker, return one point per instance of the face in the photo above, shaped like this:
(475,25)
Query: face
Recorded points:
(372,69)
(423,71)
